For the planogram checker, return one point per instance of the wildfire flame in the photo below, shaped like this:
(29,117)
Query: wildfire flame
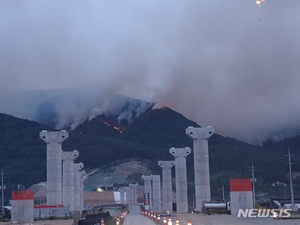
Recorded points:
(119,129)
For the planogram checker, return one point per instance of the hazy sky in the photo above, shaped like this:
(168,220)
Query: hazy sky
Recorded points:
(226,63)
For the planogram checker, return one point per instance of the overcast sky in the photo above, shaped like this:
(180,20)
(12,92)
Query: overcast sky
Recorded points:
(226,63)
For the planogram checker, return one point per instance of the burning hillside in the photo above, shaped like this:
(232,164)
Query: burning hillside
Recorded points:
(67,112)
(119,129)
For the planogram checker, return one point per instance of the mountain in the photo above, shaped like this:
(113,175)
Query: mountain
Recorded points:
(164,128)
(107,140)
(22,153)
(281,148)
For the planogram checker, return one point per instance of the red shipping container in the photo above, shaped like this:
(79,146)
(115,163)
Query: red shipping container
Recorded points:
(240,185)
(22,195)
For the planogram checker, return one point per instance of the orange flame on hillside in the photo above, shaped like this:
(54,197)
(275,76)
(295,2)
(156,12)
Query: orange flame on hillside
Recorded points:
(163,105)
(119,129)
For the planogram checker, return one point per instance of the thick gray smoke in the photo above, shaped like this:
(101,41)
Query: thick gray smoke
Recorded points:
(229,64)
(71,107)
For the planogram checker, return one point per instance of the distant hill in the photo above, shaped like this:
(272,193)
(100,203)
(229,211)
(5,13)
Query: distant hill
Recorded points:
(292,143)
(107,139)
(281,148)
(22,153)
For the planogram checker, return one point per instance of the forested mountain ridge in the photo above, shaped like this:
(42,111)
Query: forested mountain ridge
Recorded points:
(105,140)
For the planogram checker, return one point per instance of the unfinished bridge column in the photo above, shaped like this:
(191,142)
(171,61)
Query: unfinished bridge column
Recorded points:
(127,195)
(167,184)
(200,136)
(156,190)
(122,193)
(77,190)
(81,188)
(54,142)
(133,193)
(148,191)
(68,178)
(180,155)
(77,185)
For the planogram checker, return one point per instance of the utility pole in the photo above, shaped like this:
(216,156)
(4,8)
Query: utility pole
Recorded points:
(223,192)
(291,182)
(253,168)
(193,201)
(2,190)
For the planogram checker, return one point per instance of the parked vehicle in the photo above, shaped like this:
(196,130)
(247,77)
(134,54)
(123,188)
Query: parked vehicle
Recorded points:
(214,207)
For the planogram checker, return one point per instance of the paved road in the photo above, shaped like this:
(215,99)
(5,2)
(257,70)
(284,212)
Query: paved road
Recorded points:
(200,219)
(134,218)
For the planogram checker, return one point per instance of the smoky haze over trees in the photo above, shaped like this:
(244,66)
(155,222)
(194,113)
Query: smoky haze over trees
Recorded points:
(229,64)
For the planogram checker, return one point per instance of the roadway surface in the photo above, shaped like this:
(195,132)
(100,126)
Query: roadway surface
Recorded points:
(200,219)
(134,217)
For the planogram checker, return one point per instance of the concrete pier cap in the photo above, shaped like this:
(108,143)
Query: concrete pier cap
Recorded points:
(75,153)
(166,164)
(83,174)
(70,155)
(122,189)
(79,166)
(200,132)
(54,136)
(180,152)
(145,177)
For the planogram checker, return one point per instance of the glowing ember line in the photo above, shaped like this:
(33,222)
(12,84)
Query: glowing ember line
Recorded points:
(119,129)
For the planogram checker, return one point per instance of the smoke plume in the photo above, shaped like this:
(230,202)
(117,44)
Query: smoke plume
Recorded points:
(229,64)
